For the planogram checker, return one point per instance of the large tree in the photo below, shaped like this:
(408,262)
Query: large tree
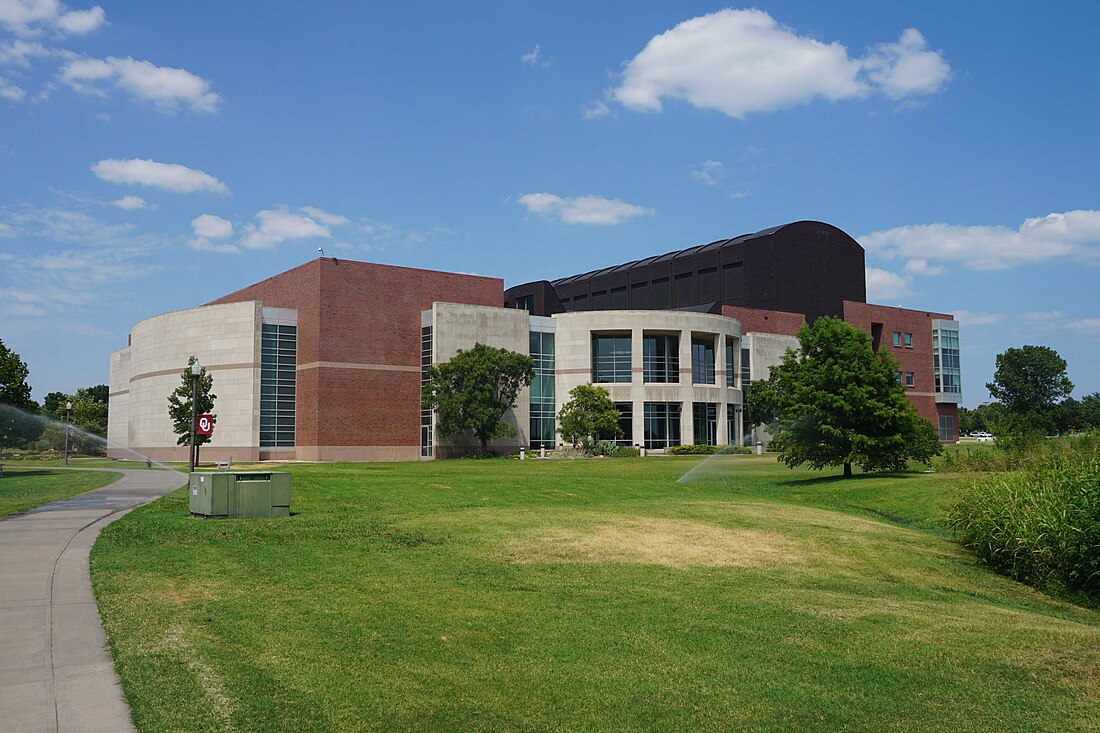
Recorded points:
(1030,381)
(1090,410)
(19,422)
(473,390)
(838,403)
(588,413)
(179,406)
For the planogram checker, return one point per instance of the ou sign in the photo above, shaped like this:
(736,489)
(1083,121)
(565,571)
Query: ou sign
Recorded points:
(205,425)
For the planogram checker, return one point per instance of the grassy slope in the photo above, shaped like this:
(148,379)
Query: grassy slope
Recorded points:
(23,488)
(590,595)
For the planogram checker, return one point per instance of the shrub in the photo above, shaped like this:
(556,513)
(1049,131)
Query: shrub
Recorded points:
(1039,523)
(480,456)
(737,450)
(624,451)
(692,450)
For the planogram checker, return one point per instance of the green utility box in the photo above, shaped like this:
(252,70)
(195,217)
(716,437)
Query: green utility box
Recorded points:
(240,494)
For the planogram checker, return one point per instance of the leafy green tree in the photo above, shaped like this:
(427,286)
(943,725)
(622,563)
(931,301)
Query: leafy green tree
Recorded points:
(760,404)
(89,414)
(839,403)
(179,406)
(54,405)
(1090,410)
(18,422)
(588,413)
(967,420)
(1029,381)
(473,390)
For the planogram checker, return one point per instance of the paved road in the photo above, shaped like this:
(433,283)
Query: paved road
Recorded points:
(56,674)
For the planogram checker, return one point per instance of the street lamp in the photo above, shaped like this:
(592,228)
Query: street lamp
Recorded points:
(196,370)
(68,407)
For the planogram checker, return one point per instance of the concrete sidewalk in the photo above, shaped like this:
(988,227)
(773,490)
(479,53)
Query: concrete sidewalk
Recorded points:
(55,671)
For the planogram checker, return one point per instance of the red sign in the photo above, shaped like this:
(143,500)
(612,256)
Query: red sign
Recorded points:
(205,425)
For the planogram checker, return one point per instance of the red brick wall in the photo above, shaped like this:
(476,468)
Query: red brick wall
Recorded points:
(755,320)
(917,359)
(368,315)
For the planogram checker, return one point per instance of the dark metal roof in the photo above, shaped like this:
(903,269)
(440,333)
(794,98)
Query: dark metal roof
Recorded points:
(668,256)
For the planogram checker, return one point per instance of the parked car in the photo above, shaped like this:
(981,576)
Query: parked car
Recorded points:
(986,438)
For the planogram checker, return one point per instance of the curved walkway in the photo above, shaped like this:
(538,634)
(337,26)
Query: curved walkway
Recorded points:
(56,674)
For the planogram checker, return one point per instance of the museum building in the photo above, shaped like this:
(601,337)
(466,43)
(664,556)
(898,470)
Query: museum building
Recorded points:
(326,361)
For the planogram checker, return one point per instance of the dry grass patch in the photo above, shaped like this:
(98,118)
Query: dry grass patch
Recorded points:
(650,541)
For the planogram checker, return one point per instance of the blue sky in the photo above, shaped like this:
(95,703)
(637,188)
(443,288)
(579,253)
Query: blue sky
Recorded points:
(155,156)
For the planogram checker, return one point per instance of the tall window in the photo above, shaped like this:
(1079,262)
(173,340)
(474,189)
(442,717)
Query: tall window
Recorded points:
(278,378)
(731,377)
(704,420)
(425,412)
(542,391)
(908,340)
(947,429)
(702,361)
(731,424)
(897,338)
(945,361)
(660,358)
(662,424)
(610,359)
(526,303)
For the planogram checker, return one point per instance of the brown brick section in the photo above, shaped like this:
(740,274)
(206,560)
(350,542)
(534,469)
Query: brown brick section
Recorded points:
(885,320)
(755,320)
(362,313)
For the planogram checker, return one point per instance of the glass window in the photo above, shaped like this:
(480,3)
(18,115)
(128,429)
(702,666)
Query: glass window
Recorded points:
(897,338)
(731,424)
(662,424)
(626,425)
(945,361)
(702,361)
(947,429)
(278,385)
(908,340)
(704,419)
(425,414)
(909,379)
(526,303)
(610,358)
(746,372)
(660,358)
(542,391)
(731,377)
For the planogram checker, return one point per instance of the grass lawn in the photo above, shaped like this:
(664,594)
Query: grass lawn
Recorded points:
(594,595)
(25,487)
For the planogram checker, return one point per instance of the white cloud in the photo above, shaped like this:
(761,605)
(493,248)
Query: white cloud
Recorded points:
(740,194)
(20,52)
(325,217)
(10,91)
(1073,234)
(32,17)
(975,318)
(582,209)
(743,61)
(165,87)
(208,227)
(1042,316)
(709,172)
(883,285)
(596,110)
(535,57)
(279,225)
(6,232)
(921,267)
(1085,325)
(170,176)
(130,203)
(907,68)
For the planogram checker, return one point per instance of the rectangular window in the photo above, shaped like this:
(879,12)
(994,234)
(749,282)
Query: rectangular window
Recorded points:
(526,303)
(908,340)
(702,361)
(897,338)
(909,379)
(660,358)
(610,359)
(731,375)
(704,420)
(662,424)
(899,377)
(947,429)
(542,390)
(746,371)
(425,414)
(278,384)
(626,425)
(945,361)
(731,423)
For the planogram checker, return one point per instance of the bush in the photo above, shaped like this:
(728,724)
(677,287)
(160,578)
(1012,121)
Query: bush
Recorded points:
(480,456)
(624,451)
(1038,523)
(737,450)
(692,450)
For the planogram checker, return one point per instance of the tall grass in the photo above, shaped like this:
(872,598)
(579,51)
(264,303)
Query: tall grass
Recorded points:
(1037,519)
